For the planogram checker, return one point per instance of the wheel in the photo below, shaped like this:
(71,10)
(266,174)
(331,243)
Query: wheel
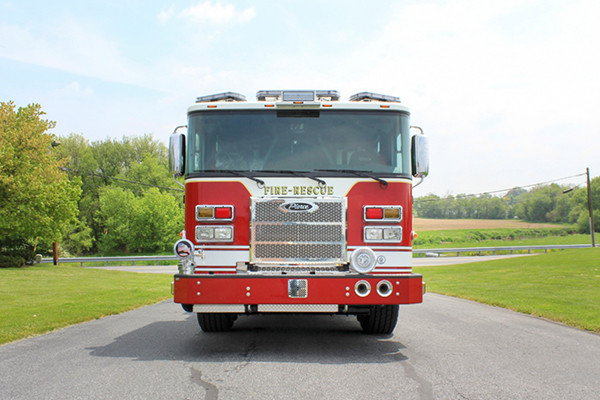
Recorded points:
(216,322)
(379,320)
(187,307)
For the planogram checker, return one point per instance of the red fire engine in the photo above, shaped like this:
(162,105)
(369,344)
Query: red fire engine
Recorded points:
(297,203)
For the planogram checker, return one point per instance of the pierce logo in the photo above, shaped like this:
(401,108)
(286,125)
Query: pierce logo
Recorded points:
(299,207)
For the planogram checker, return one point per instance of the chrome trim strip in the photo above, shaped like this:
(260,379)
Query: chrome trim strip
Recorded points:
(299,308)
(219,308)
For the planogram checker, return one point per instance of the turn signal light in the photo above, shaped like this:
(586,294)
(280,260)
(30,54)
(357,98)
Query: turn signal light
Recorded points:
(383,213)
(214,213)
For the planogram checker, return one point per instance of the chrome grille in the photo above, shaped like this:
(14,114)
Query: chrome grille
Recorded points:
(317,235)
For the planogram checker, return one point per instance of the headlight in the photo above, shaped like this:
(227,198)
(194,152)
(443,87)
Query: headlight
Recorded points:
(383,234)
(224,233)
(206,233)
(394,234)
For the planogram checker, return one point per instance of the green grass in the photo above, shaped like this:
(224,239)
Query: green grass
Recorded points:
(39,299)
(497,237)
(562,286)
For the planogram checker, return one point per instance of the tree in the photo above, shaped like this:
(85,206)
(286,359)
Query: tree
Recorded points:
(138,224)
(129,164)
(37,200)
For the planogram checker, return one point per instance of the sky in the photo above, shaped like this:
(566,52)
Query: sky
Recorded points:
(508,92)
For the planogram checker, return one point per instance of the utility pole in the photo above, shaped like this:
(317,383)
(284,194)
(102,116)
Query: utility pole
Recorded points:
(589,193)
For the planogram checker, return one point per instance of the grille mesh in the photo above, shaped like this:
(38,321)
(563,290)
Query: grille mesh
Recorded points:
(293,237)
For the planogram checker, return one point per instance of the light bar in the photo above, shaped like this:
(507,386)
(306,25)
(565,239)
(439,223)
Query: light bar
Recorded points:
(297,95)
(369,96)
(225,96)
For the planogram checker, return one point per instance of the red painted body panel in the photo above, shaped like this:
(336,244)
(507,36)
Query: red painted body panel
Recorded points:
(219,193)
(373,194)
(240,289)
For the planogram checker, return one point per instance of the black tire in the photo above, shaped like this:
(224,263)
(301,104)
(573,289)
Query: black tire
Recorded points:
(380,320)
(216,322)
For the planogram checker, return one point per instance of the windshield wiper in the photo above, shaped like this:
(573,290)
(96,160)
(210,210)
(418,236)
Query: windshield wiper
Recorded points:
(259,182)
(363,174)
(303,174)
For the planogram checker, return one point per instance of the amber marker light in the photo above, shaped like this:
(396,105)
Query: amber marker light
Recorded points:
(205,212)
(391,213)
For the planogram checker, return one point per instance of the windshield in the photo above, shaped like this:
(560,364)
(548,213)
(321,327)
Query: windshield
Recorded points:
(280,141)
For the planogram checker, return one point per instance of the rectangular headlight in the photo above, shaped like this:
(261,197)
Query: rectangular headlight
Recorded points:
(218,233)
(373,233)
(224,233)
(394,234)
(383,234)
(204,233)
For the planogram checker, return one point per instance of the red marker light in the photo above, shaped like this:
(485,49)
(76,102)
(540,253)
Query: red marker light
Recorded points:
(374,213)
(223,213)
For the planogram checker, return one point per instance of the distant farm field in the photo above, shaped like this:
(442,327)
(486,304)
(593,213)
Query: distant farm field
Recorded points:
(452,233)
(432,224)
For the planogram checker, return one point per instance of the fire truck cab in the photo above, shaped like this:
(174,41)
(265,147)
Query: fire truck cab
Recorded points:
(297,203)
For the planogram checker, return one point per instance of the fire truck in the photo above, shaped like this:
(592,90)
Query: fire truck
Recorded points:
(297,203)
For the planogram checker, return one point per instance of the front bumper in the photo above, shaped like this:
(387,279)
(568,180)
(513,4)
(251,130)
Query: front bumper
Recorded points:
(268,289)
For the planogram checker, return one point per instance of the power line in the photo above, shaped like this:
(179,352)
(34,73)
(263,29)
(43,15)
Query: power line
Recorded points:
(501,190)
(120,179)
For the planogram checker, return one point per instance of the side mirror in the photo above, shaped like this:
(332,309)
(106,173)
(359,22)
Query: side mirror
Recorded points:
(420,156)
(177,152)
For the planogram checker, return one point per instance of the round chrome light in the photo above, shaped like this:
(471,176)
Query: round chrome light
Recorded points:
(362,288)
(363,260)
(384,288)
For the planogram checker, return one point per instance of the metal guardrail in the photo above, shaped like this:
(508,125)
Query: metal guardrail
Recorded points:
(150,260)
(493,250)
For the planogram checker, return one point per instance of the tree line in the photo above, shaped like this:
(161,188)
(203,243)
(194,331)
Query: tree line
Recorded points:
(103,197)
(550,203)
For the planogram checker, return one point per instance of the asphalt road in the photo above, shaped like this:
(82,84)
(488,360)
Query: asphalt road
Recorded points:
(445,348)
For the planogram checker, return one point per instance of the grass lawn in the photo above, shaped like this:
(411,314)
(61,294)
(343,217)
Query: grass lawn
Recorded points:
(563,286)
(38,299)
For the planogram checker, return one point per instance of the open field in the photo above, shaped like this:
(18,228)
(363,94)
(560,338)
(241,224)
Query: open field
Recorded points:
(562,286)
(39,299)
(431,224)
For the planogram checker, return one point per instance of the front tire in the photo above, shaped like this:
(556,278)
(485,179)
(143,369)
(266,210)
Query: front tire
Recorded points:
(216,322)
(380,319)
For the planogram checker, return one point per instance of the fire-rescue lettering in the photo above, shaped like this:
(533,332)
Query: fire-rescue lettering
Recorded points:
(298,190)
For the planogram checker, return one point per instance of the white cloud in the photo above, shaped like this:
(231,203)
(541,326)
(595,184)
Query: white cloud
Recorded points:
(75,89)
(73,46)
(217,13)
(165,15)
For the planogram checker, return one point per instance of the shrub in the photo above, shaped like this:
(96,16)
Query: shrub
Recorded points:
(11,261)
(15,252)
